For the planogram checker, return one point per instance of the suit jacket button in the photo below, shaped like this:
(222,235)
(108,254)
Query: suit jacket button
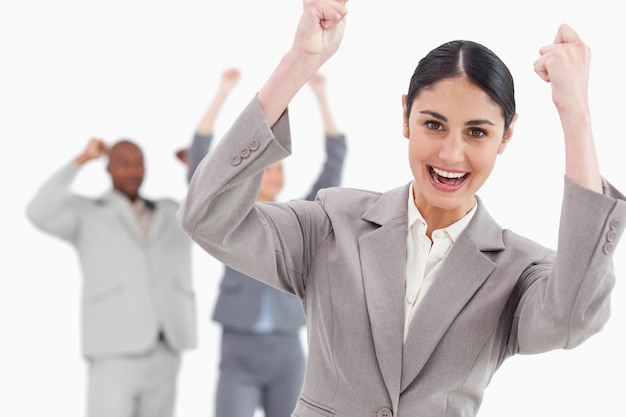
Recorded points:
(615,223)
(608,248)
(611,235)
(254,145)
(235,159)
(244,152)
(384,412)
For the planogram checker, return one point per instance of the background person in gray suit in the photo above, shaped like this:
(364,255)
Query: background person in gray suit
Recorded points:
(138,305)
(262,360)
(414,297)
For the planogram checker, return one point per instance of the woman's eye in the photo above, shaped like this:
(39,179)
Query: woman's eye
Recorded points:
(434,125)
(476,133)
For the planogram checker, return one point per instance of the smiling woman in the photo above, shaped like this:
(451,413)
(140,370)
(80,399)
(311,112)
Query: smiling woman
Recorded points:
(459,114)
(414,297)
(455,133)
(144,68)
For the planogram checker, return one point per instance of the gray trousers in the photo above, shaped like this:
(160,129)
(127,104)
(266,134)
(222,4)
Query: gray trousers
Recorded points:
(259,370)
(134,386)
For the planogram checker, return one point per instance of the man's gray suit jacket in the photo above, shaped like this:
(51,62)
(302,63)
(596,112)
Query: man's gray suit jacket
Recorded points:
(496,294)
(132,289)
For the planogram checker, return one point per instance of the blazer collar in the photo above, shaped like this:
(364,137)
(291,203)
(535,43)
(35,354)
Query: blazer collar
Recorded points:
(383,253)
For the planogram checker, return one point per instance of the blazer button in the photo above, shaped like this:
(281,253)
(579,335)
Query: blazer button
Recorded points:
(244,152)
(615,223)
(611,235)
(235,160)
(608,248)
(384,412)
(254,145)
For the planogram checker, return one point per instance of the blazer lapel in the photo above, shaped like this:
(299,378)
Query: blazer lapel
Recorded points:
(382,254)
(121,206)
(462,273)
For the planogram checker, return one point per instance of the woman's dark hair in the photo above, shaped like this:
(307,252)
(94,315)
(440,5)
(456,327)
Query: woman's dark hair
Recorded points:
(472,60)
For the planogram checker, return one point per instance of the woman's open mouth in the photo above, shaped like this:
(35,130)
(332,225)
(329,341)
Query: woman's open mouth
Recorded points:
(447,178)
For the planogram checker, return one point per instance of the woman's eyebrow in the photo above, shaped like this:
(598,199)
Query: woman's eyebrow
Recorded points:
(479,122)
(468,123)
(435,115)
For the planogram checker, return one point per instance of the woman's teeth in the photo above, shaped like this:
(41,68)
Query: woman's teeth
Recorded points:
(446,177)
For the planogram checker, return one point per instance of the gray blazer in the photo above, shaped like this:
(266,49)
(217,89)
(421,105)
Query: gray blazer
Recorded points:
(239,301)
(131,289)
(496,294)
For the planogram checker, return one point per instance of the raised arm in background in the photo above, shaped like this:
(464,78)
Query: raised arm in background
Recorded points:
(203,135)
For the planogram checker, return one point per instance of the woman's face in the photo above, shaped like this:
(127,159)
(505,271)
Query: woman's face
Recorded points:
(455,132)
(272,182)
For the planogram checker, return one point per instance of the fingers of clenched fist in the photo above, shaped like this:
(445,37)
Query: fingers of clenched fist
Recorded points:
(321,27)
(230,77)
(330,16)
(568,49)
(97,148)
(565,64)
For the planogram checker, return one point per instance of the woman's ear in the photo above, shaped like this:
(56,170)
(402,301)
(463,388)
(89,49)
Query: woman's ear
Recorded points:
(405,117)
(507,135)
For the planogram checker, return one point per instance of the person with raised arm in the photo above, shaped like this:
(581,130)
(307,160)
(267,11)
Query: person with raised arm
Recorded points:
(138,302)
(262,360)
(414,297)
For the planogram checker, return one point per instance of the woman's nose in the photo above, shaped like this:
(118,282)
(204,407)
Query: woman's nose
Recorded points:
(451,150)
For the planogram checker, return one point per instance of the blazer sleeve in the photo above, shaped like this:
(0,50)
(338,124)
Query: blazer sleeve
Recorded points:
(271,242)
(55,209)
(198,149)
(333,166)
(567,297)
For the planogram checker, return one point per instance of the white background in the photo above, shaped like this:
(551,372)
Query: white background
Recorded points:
(71,70)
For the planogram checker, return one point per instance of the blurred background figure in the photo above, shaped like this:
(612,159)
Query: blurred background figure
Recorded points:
(138,303)
(262,358)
